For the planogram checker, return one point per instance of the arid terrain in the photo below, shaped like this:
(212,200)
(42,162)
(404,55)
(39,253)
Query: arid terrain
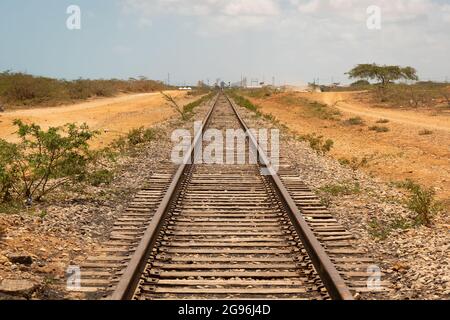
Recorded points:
(113,117)
(415,145)
(38,243)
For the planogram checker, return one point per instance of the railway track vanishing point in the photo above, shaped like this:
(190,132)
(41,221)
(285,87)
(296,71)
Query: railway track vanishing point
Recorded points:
(227,231)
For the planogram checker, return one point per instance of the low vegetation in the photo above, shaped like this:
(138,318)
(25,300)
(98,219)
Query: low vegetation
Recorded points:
(317,143)
(395,86)
(186,111)
(425,132)
(345,188)
(382,229)
(383,121)
(357,121)
(264,92)
(328,191)
(43,160)
(313,108)
(421,201)
(245,103)
(355,163)
(100,177)
(20,89)
(379,129)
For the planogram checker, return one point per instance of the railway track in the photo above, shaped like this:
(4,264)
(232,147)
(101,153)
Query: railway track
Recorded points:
(205,231)
(225,231)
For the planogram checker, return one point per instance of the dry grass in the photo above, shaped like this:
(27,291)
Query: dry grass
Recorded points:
(19,89)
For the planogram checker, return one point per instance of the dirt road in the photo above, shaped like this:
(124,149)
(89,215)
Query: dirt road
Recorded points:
(112,116)
(346,103)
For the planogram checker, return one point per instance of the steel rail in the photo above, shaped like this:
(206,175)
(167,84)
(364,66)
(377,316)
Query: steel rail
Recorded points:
(131,277)
(331,278)
(129,281)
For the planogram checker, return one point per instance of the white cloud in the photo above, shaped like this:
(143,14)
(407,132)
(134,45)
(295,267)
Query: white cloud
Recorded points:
(332,32)
(251,8)
(217,15)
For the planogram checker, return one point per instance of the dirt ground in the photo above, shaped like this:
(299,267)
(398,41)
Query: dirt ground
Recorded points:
(111,116)
(402,153)
(69,225)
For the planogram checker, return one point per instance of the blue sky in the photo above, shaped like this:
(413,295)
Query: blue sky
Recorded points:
(294,41)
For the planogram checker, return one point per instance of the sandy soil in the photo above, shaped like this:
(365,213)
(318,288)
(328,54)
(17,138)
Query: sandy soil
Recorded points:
(396,155)
(111,116)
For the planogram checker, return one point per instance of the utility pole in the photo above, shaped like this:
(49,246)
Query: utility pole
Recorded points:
(168,79)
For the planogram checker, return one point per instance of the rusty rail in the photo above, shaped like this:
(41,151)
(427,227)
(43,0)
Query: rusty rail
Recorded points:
(130,279)
(334,283)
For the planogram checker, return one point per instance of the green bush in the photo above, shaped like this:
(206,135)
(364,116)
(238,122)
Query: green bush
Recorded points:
(382,229)
(355,163)
(317,143)
(140,135)
(360,83)
(100,177)
(379,129)
(43,160)
(357,121)
(422,202)
(322,111)
(245,103)
(188,109)
(8,175)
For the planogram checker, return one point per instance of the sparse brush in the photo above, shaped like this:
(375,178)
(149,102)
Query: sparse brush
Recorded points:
(425,132)
(245,103)
(379,129)
(43,161)
(354,163)
(323,111)
(318,143)
(421,201)
(99,177)
(357,121)
(382,229)
(140,135)
(345,188)
(23,89)
(381,121)
(186,111)
(119,144)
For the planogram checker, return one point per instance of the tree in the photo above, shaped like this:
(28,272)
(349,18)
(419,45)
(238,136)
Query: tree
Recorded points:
(383,74)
